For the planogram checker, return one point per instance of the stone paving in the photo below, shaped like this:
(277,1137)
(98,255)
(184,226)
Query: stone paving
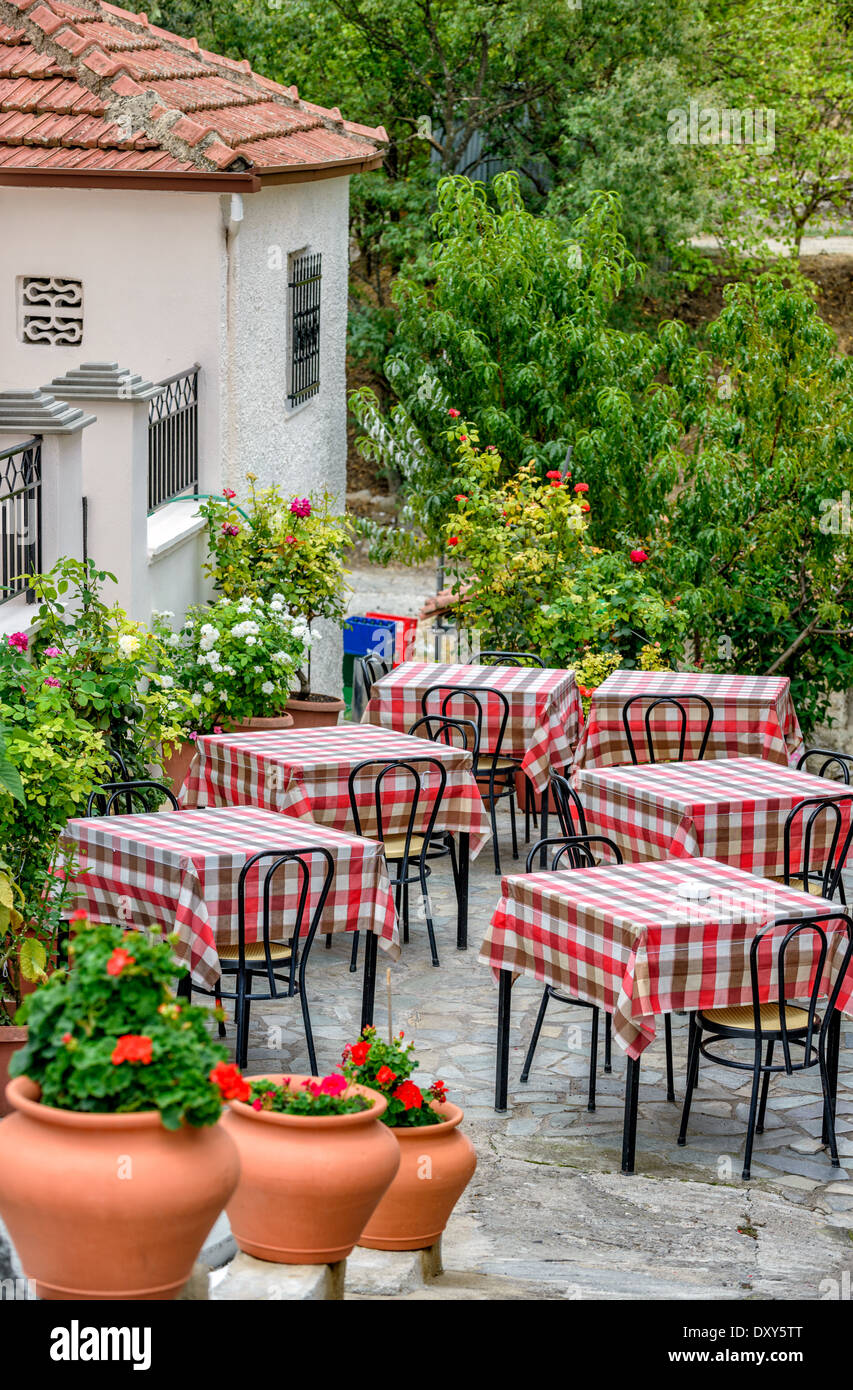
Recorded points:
(549,1208)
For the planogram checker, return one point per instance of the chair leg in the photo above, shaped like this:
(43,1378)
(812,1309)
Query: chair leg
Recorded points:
(537,1029)
(427,910)
(694,1039)
(328,941)
(217,996)
(404,871)
(494,820)
(526,812)
(243,990)
(670,1080)
(353,960)
(593,1060)
(511,800)
(765,1087)
(306,1019)
(608,1043)
(746,1171)
(829,1136)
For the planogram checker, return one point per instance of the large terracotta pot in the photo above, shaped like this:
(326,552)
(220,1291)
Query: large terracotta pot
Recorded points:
(176,767)
(320,711)
(437,1163)
(108,1206)
(308,1184)
(12,1037)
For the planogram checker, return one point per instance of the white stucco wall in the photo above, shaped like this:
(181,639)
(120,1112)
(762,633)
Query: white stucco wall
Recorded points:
(302,450)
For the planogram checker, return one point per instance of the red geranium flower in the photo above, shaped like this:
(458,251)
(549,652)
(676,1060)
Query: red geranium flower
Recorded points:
(438,1091)
(385,1076)
(461,497)
(463,438)
(454,540)
(118,960)
(358,1053)
(228,492)
(581,487)
(553,473)
(453,413)
(333,1085)
(585,507)
(556,482)
(66,1038)
(79,915)
(638,557)
(409,1094)
(231,1084)
(132,1047)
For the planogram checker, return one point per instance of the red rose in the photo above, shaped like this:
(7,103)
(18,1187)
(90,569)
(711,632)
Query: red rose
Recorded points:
(581,487)
(638,557)
(118,960)
(453,413)
(132,1047)
(385,1076)
(358,1053)
(410,1096)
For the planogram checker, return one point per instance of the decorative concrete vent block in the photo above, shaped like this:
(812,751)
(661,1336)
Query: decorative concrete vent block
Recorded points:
(50,310)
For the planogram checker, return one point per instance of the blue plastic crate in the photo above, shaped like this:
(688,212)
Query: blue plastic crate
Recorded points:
(369,637)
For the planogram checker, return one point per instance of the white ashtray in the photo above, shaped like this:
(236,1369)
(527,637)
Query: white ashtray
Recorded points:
(694,891)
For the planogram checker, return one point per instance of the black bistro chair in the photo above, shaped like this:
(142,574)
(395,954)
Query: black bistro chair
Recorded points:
(579,853)
(656,702)
(843,762)
(117,798)
(279,957)
(823,880)
(493,770)
(764,1026)
(439,729)
(406,853)
(367,670)
(495,658)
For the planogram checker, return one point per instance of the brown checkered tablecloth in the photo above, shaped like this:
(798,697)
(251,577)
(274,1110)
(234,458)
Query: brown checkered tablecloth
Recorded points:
(179,869)
(752,715)
(731,809)
(544,709)
(641,939)
(305,773)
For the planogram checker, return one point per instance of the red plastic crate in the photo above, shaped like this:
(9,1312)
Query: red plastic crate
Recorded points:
(404,636)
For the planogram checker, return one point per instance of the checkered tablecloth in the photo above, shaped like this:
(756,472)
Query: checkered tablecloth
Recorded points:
(544,709)
(635,939)
(732,809)
(179,870)
(752,715)
(305,773)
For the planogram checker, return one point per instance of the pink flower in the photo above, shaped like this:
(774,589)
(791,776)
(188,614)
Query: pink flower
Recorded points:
(228,492)
(19,640)
(217,728)
(229,529)
(52,651)
(581,487)
(192,735)
(301,506)
(51,680)
(257,1105)
(638,557)
(290,540)
(454,414)
(333,1085)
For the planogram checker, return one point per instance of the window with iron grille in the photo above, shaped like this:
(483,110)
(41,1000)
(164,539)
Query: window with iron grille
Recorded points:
(173,439)
(20,518)
(303,287)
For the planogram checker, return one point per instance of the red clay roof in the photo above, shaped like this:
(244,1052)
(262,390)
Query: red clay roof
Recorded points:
(91,88)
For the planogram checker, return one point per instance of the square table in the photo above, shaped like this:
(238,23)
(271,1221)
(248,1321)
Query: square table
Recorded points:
(544,709)
(181,868)
(731,809)
(752,715)
(636,940)
(304,773)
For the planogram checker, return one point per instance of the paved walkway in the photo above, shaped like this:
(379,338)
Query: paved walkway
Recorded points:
(549,1211)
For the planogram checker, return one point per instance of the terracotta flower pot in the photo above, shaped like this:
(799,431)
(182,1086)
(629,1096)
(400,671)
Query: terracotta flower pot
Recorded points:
(308,1184)
(176,767)
(315,711)
(12,1037)
(279,721)
(437,1163)
(108,1206)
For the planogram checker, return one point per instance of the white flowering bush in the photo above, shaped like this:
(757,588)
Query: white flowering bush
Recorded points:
(237,658)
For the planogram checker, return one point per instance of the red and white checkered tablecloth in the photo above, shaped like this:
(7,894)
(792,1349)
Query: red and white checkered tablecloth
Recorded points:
(731,809)
(633,940)
(752,715)
(305,773)
(179,870)
(544,709)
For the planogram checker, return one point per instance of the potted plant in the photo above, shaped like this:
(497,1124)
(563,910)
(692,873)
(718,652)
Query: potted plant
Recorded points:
(314,1162)
(293,547)
(437,1160)
(237,659)
(12,967)
(113,1167)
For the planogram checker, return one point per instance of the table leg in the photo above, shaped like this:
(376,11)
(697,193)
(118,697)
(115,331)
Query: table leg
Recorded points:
(629,1131)
(369,991)
(543,834)
(185,985)
(462,905)
(502,1069)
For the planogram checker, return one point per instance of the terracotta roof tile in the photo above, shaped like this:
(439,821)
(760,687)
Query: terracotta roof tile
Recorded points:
(71,69)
